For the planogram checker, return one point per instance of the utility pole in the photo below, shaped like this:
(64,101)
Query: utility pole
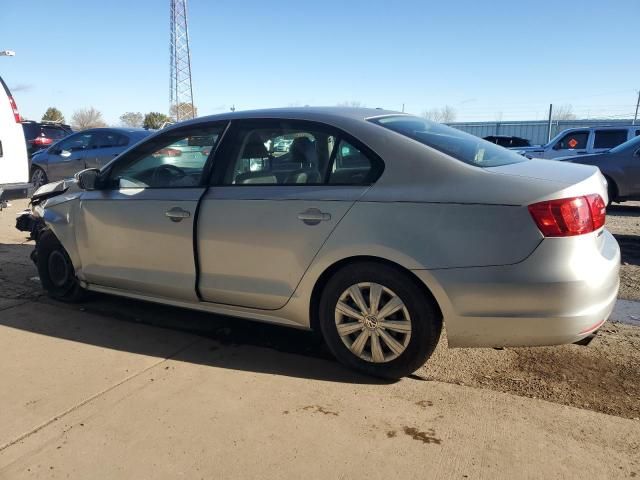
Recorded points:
(549,124)
(635,117)
(181,92)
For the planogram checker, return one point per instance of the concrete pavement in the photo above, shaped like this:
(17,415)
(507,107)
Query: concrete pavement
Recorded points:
(88,396)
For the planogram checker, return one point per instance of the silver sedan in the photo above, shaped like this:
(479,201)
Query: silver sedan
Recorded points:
(373,227)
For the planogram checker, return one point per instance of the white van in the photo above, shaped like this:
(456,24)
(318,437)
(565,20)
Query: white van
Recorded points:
(14,162)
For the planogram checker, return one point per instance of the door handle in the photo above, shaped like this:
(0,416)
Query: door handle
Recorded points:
(313,216)
(176,214)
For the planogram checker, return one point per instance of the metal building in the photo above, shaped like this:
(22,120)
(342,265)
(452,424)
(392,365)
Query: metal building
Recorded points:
(535,131)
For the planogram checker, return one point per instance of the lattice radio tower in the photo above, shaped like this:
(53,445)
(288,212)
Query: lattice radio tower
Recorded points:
(181,92)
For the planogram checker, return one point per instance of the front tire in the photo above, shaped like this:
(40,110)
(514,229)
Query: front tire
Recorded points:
(376,319)
(38,177)
(56,271)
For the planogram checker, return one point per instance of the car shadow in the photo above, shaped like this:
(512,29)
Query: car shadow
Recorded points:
(624,210)
(125,324)
(629,248)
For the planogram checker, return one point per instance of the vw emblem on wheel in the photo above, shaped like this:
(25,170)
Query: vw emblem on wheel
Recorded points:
(371,322)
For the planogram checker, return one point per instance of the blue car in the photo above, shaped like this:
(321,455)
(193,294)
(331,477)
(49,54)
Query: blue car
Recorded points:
(87,149)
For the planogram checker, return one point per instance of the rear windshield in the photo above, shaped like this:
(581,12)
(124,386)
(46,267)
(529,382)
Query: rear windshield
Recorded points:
(54,132)
(461,146)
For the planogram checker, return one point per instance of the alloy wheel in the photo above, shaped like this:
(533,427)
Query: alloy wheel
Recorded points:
(373,322)
(38,178)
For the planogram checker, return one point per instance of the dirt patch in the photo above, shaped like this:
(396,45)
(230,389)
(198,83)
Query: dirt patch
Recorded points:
(319,409)
(605,376)
(424,437)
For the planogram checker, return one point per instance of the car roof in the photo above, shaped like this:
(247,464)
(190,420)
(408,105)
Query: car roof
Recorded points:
(117,129)
(318,114)
(597,127)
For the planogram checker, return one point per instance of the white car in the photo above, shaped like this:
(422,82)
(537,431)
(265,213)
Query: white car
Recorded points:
(14,162)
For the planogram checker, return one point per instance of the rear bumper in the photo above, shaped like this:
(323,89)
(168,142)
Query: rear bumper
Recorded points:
(15,191)
(563,292)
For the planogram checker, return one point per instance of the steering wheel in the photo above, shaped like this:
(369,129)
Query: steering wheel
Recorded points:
(165,174)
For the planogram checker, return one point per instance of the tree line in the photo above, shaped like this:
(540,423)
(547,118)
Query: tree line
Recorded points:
(90,117)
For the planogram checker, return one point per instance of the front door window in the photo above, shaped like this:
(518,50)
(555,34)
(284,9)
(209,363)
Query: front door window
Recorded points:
(174,160)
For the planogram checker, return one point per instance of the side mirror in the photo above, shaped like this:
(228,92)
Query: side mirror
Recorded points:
(64,153)
(87,179)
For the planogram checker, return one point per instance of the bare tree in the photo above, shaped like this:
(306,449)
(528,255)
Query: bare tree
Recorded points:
(445,114)
(132,119)
(87,118)
(563,112)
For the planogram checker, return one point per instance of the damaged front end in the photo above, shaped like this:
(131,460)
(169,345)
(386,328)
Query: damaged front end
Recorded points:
(32,220)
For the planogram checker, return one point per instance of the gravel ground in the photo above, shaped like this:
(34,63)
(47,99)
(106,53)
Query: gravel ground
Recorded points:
(605,376)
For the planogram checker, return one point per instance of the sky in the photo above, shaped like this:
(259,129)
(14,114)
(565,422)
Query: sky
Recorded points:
(489,60)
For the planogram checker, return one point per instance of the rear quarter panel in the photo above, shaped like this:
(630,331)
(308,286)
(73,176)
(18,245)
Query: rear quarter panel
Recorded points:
(435,235)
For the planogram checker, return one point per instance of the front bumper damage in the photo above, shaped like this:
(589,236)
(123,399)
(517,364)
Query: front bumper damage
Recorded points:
(26,221)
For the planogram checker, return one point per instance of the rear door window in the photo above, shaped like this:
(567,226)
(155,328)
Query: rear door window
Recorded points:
(110,139)
(283,152)
(351,166)
(609,138)
(573,141)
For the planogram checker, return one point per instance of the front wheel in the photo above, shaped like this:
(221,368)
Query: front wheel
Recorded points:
(57,273)
(38,177)
(377,320)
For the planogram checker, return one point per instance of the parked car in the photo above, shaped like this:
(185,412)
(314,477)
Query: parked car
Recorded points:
(621,168)
(86,149)
(40,135)
(582,141)
(373,228)
(508,141)
(14,162)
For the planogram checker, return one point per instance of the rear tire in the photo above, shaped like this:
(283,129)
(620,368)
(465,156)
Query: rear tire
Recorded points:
(378,343)
(38,177)
(612,191)
(57,273)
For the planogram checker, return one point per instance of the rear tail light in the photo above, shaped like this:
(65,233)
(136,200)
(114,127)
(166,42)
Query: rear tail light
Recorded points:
(567,217)
(168,152)
(14,108)
(41,141)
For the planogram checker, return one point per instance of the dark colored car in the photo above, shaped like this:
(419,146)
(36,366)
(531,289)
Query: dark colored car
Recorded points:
(621,168)
(39,135)
(87,149)
(508,141)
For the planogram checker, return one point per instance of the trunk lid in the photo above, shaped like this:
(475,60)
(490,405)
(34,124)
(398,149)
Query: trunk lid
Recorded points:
(556,179)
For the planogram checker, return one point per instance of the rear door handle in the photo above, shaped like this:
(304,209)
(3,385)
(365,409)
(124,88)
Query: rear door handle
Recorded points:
(313,216)
(176,214)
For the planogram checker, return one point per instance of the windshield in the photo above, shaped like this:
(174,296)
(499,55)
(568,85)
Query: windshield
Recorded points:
(631,144)
(460,145)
